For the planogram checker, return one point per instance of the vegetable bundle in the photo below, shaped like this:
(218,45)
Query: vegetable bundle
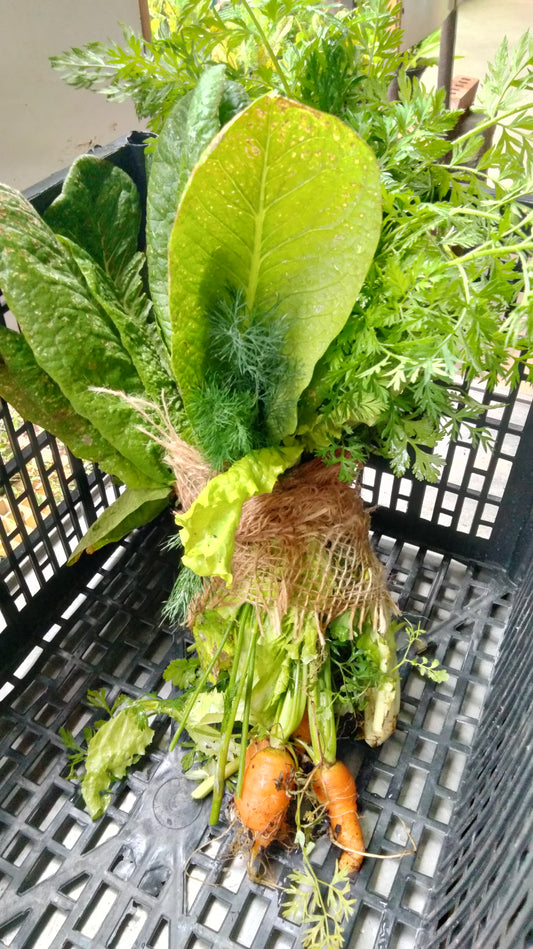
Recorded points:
(323,268)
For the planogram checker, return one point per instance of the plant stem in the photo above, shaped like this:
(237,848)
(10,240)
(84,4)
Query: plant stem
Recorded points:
(206,786)
(488,251)
(495,120)
(322,718)
(246,713)
(270,51)
(232,698)
(192,698)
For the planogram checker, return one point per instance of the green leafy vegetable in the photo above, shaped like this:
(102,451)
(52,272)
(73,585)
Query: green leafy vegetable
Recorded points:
(132,509)
(99,209)
(182,672)
(72,339)
(39,400)
(208,527)
(129,310)
(191,125)
(117,744)
(298,234)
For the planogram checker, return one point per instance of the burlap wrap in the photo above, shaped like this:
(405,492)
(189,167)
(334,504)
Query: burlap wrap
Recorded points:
(305,546)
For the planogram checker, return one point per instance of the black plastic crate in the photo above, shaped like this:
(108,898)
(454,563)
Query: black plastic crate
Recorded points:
(457,775)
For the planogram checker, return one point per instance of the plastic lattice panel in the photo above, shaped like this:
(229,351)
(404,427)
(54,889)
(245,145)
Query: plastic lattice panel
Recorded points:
(47,500)
(151,872)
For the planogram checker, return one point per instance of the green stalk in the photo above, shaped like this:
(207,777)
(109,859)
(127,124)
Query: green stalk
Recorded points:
(488,250)
(322,718)
(495,120)
(232,698)
(250,665)
(268,47)
(291,706)
(192,698)
(206,786)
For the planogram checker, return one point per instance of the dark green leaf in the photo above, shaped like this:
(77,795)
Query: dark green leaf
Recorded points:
(189,128)
(130,313)
(132,509)
(39,400)
(99,209)
(71,337)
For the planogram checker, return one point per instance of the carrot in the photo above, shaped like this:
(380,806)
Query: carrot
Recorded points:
(303,732)
(262,806)
(334,787)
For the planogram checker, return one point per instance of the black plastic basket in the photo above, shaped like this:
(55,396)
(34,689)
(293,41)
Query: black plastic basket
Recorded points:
(456,777)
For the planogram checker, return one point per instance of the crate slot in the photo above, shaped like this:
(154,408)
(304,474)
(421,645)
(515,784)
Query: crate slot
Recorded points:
(383,877)
(74,888)
(18,849)
(15,801)
(129,928)
(234,874)
(46,866)
(106,829)
(195,877)
(250,920)
(428,851)
(11,928)
(214,913)
(98,908)
(366,929)
(414,897)
(68,833)
(160,938)
(50,805)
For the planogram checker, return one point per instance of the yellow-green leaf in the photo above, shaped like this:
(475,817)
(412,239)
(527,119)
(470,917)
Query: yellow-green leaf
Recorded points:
(286,205)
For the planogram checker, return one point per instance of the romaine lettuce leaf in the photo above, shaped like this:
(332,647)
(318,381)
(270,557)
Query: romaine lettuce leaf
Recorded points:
(285,204)
(131,317)
(39,400)
(188,129)
(117,744)
(99,209)
(70,335)
(133,508)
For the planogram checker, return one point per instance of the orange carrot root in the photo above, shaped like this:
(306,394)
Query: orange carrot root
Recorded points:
(264,801)
(303,732)
(335,788)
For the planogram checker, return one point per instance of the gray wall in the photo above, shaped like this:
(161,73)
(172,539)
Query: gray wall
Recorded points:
(44,122)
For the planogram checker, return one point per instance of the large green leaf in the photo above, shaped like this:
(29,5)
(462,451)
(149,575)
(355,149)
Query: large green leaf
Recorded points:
(189,128)
(99,209)
(285,204)
(208,527)
(39,400)
(70,335)
(130,313)
(133,508)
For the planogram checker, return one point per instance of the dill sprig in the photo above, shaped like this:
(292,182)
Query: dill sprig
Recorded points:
(247,362)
